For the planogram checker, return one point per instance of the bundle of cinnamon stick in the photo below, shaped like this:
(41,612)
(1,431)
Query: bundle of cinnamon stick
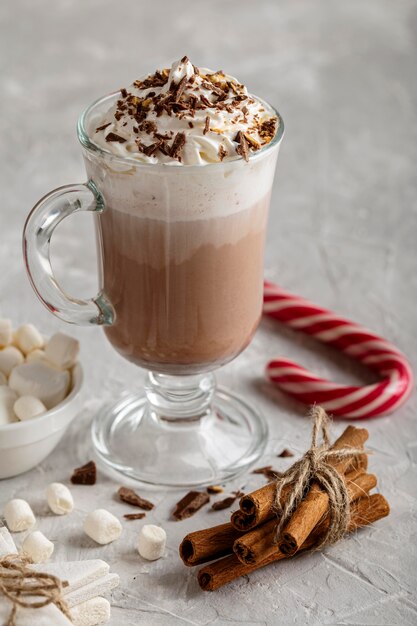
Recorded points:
(248,542)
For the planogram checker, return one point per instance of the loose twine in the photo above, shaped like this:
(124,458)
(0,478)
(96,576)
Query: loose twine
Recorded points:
(20,585)
(314,466)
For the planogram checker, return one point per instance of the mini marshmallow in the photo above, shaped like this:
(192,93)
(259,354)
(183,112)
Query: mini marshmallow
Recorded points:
(18,515)
(3,379)
(6,333)
(10,357)
(151,542)
(37,547)
(28,338)
(27,407)
(102,526)
(7,399)
(42,381)
(59,498)
(62,350)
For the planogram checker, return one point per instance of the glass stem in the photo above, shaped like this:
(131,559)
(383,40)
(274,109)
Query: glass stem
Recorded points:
(179,398)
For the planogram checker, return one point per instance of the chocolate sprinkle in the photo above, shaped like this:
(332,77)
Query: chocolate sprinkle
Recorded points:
(102,127)
(114,137)
(131,497)
(134,515)
(85,475)
(190,504)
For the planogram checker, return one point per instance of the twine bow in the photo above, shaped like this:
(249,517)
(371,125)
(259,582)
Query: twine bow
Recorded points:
(21,585)
(314,466)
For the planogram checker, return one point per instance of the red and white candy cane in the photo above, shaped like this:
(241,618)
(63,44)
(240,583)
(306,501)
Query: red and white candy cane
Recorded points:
(353,402)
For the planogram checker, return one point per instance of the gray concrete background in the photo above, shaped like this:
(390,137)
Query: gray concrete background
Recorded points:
(342,231)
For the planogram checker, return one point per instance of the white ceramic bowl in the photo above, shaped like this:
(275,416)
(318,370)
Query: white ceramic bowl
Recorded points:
(23,445)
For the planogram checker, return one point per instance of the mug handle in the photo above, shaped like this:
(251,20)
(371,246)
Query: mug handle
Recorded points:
(39,227)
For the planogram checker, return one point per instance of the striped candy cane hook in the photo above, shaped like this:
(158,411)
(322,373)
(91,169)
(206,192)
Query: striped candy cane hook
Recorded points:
(353,402)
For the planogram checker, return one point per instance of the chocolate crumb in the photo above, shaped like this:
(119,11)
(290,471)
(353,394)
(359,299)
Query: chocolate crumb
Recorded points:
(102,127)
(123,92)
(206,125)
(190,504)
(85,475)
(285,453)
(114,137)
(134,515)
(131,497)
(214,489)
(242,148)
(190,124)
(223,504)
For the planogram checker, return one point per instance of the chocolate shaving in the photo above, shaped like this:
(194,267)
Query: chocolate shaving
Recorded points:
(131,497)
(190,504)
(102,127)
(206,125)
(190,124)
(114,137)
(177,146)
(223,504)
(124,92)
(222,152)
(148,127)
(285,453)
(214,489)
(242,148)
(180,88)
(134,515)
(85,475)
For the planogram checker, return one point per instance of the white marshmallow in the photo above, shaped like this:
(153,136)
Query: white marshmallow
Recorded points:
(6,333)
(18,515)
(37,547)
(62,350)
(27,407)
(92,612)
(42,381)
(151,542)
(3,379)
(102,526)
(10,357)
(7,399)
(27,338)
(59,498)
(36,355)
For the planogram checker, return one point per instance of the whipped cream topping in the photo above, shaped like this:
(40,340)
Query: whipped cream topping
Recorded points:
(186,116)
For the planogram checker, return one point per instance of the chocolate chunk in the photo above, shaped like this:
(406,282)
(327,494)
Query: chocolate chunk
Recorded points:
(190,504)
(134,515)
(223,504)
(131,497)
(123,92)
(114,137)
(102,127)
(214,489)
(242,148)
(85,475)
(285,453)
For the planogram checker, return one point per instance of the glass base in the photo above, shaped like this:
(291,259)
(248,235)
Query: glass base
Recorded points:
(133,438)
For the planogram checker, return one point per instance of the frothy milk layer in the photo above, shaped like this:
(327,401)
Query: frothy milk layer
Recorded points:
(185,116)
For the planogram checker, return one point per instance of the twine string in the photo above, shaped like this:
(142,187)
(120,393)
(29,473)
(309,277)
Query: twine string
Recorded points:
(23,587)
(314,466)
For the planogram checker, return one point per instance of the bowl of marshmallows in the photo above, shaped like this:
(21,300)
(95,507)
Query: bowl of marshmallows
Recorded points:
(40,381)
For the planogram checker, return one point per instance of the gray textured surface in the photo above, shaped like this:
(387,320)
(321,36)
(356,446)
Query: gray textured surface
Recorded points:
(342,232)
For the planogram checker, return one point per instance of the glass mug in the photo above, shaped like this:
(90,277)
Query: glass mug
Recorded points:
(181,272)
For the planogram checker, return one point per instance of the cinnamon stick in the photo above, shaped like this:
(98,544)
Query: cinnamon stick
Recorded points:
(208,544)
(257,507)
(313,507)
(258,544)
(214,575)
